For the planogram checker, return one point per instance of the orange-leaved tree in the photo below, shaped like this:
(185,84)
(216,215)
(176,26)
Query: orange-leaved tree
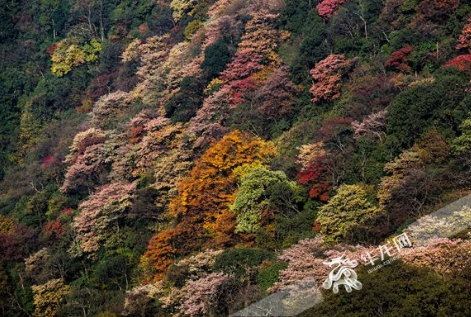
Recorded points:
(201,208)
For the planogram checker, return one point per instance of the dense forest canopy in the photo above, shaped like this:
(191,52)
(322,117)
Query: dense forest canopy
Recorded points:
(187,158)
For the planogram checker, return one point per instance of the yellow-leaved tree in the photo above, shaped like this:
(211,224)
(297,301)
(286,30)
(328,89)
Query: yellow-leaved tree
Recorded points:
(202,206)
(66,56)
(48,297)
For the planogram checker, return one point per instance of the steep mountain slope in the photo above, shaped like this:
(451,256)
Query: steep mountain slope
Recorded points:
(186,158)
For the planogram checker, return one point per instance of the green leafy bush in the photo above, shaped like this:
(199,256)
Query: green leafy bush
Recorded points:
(269,276)
(240,261)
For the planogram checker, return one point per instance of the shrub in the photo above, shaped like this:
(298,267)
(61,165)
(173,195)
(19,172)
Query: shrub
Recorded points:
(269,276)
(216,56)
(348,211)
(239,261)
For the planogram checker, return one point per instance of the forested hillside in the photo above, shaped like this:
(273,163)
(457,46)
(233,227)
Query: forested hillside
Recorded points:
(188,158)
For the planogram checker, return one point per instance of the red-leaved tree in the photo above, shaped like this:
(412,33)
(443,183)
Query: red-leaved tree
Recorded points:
(313,158)
(54,228)
(327,75)
(399,60)
(462,62)
(327,8)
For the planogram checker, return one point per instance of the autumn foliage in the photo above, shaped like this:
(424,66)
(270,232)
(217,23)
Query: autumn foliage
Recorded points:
(54,228)
(275,99)
(327,8)
(398,59)
(437,11)
(464,41)
(163,193)
(6,225)
(313,158)
(48,297)
(202,206)
(16,242)
(101,212)
(374,125)
(66,56)
(327,75)
(462,62)
(86,159)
